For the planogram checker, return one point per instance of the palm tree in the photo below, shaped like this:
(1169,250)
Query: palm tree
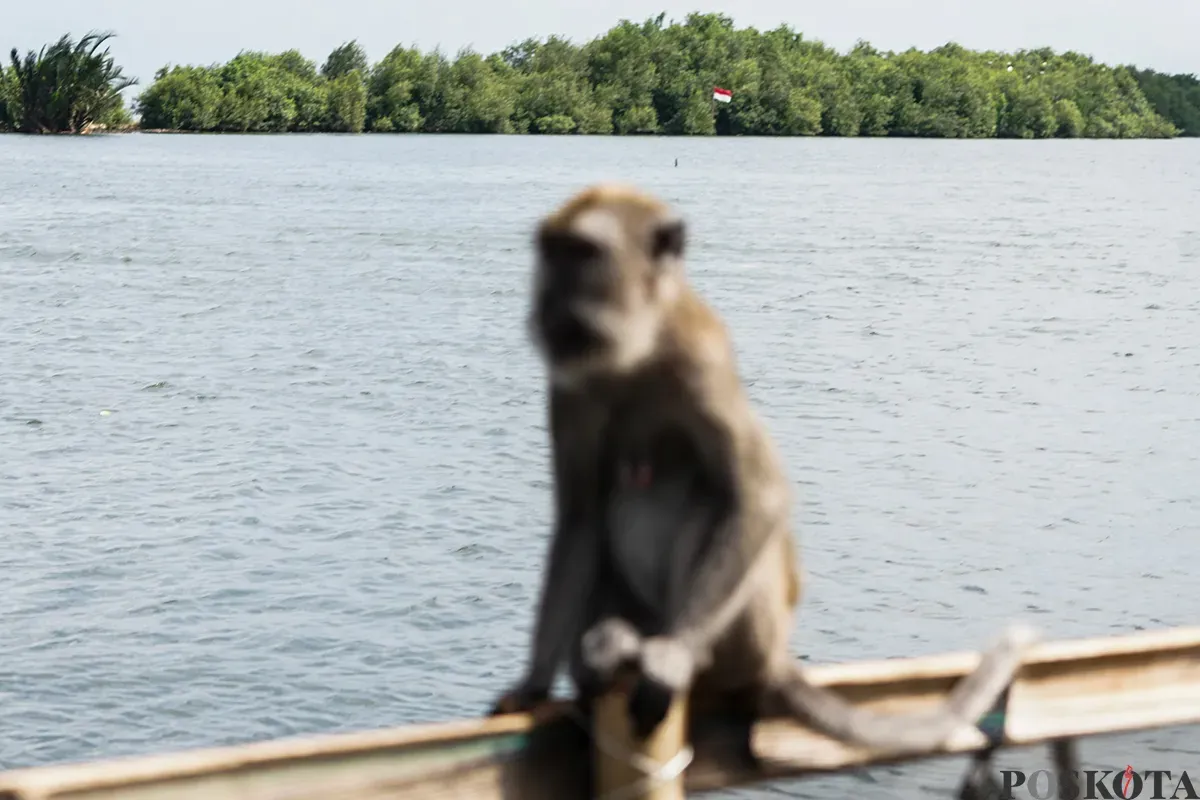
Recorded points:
(65,87)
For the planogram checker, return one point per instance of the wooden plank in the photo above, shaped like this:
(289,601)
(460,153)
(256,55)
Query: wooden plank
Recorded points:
(638,769)
(472,758)
(1066,689)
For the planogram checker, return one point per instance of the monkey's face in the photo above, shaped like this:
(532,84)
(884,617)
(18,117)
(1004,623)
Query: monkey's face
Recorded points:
(605,279)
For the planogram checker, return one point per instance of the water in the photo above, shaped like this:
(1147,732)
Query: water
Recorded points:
(274,460)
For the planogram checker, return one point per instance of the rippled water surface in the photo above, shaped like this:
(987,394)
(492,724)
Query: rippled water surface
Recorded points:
(273,457)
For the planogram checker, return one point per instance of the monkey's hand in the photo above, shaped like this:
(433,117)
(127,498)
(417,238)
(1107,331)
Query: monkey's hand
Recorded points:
(609,645)
(667,667)
(524,697)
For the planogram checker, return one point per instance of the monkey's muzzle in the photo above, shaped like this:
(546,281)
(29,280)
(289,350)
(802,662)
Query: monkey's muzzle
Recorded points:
(564,332)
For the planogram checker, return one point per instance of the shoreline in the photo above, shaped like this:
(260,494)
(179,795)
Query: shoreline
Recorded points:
(893,137)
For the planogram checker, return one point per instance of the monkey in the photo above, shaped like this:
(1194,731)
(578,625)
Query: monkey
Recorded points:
(671,550)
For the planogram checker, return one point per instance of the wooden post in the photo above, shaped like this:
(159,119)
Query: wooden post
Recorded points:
(618,753)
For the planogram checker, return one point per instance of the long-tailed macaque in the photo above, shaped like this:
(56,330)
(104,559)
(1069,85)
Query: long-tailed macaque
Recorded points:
(672,550)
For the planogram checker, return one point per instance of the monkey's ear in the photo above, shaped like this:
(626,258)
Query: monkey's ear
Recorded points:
(564,247)
(669,240)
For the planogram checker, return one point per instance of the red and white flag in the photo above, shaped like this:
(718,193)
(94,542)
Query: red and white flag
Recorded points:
(722,95)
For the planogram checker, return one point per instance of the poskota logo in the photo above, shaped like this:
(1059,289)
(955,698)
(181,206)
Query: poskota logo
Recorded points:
(1094,784)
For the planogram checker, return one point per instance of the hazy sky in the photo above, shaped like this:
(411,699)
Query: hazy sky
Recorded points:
(151,33)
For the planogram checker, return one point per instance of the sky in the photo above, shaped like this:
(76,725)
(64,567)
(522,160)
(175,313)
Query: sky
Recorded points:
(152,33)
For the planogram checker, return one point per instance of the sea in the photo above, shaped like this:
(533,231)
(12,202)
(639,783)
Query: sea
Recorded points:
(273,456)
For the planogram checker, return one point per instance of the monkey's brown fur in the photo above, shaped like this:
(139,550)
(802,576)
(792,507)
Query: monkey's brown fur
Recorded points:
(672,548)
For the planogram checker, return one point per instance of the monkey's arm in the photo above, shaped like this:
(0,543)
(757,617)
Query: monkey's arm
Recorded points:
(744,505)
(716,546)
(568,577)
(571,566)
(709,590)
(733,509)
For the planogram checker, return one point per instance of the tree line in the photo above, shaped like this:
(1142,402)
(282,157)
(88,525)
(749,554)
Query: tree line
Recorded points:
(655,77)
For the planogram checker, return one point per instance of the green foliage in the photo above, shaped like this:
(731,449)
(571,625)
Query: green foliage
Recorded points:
(264,93)
(66,87)
(184,98)
(657,77)
(1175,97)
(8,99)
(348,58)
(649,78)
(261,93)
(346,98)
(397,84)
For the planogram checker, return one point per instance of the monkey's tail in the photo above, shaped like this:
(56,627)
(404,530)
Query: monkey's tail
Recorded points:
(970,699)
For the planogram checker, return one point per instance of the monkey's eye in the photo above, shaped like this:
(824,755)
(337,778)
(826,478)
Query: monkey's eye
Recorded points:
(560,248)
(668,240)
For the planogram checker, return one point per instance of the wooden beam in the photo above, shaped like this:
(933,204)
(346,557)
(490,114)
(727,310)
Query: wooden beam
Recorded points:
(1065,690)
(629,768)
